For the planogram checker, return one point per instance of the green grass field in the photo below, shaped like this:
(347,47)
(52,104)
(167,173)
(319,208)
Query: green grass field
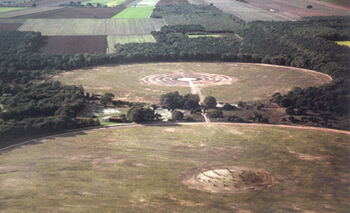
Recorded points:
(205,36)
(344,43)
(255,82)
(113,40)
(109,3)
(7,9)
(138,170)
(135,12)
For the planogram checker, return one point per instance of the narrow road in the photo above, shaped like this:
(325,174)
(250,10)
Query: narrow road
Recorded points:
(196,90)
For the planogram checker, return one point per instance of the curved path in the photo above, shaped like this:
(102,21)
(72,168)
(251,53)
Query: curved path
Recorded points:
(207,125)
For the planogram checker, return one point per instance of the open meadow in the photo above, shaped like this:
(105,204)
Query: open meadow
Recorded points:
(185,168)
(254,82)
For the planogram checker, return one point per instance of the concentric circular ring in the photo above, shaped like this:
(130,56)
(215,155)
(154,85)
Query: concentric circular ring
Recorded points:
(186,79)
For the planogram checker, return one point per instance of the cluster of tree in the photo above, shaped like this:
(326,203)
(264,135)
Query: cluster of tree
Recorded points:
(174,100)
(140,114)
(209,102)
(19,41)
(78,4)
(29,106)
(334,97)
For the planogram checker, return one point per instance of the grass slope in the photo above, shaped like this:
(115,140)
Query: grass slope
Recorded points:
(255,82)
(138,170)
(135,12)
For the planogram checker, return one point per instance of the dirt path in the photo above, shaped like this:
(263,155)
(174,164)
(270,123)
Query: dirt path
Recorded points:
(197,91)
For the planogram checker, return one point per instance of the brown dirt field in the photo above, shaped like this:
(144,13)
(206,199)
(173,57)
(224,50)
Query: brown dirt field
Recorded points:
(74,44)
(9,26)
(166,2)
(76,13)
(297,10)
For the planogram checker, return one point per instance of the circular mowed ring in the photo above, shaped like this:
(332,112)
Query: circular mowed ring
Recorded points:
(185,79)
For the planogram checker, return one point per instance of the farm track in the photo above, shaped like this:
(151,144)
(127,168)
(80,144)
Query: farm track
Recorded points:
(81,131)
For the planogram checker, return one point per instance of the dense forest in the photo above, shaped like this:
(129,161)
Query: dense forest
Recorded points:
(31,105)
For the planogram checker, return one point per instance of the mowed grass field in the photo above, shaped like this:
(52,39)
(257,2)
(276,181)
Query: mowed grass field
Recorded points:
(135,12)
(254,81)
(138,169)
(7,9)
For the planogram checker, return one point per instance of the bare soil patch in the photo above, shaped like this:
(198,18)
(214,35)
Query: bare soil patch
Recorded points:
(76,13)
(74,44)
(228,179)
(308,157)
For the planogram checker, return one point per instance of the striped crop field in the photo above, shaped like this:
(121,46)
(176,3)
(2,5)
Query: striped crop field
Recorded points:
(113,40)
(344,43)
(62,27)
(109,3)
(135,13)
(143,3)
(7,9)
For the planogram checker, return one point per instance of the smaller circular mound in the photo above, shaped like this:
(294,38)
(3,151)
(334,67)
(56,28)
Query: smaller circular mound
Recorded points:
(223,179)
(186,79)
